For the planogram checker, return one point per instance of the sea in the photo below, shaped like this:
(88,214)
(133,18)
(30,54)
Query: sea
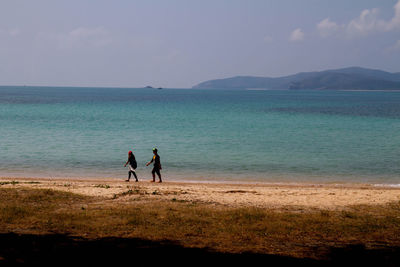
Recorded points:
(253,136)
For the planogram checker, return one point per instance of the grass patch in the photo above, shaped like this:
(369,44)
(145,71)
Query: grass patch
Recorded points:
(106,186)
(24,206)
(9,182)
(131,191)
(202,225)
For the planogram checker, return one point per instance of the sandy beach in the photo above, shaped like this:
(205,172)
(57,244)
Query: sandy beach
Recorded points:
(269,196)
(295,223)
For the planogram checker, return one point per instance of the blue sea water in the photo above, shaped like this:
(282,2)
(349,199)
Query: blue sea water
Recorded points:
(202,135)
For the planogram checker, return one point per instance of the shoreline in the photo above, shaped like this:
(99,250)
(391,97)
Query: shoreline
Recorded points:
(219,180)
(280,196)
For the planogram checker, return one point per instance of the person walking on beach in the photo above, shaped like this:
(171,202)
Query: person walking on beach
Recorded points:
(132,166)
(156,166)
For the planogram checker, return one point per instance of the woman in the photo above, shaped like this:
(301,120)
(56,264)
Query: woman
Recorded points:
(132,166)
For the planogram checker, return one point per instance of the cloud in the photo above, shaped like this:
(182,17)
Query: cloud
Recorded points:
(297,35)
(10,32)
(267,39)
(394,23)
(327,27)
(395,47)
(14,32)
(92,37)
(366,23)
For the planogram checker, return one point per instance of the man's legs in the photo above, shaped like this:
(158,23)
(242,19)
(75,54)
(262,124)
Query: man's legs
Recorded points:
(159,175)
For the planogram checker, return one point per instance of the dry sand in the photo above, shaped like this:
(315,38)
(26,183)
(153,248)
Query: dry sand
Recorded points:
(275,196)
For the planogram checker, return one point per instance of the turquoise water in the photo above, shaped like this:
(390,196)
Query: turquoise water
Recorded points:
(269,136)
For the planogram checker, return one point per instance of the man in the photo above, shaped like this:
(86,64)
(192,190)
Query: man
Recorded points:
(157,165)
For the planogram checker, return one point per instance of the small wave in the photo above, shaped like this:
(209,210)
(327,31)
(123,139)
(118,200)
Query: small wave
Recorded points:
(388,185)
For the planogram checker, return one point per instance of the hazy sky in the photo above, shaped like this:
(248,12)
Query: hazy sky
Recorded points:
(179,43)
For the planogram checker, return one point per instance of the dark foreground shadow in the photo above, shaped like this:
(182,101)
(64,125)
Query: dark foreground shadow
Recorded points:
(63,250)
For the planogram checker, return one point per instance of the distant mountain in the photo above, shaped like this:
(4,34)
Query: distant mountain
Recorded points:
(353,78)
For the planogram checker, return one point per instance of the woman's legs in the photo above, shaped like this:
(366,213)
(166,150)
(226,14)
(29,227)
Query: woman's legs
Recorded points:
(134,174)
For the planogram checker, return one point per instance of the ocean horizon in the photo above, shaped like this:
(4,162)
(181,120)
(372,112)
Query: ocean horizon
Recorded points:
(271,136)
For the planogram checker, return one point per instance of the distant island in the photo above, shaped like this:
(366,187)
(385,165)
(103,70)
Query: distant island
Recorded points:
(151,87)
(352,78)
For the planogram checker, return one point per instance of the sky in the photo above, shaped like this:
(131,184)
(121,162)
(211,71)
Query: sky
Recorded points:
(180,43)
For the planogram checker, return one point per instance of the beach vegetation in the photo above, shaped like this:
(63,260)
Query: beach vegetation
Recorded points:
(9,182)
(106,186)
(221,228)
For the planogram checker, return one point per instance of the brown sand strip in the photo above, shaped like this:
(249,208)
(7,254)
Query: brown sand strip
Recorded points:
(307,196)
